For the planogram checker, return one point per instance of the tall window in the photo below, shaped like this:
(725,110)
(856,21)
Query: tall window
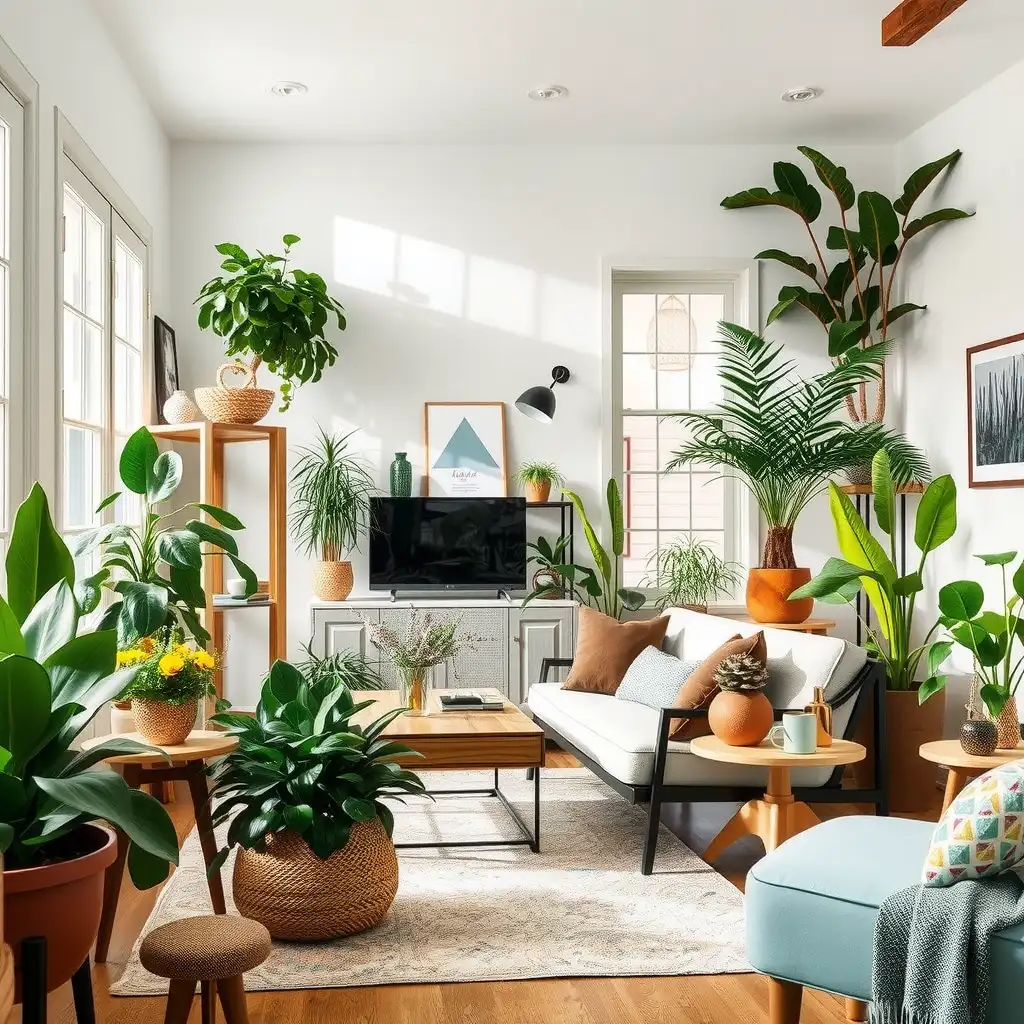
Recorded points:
(665,361)
(104,318)
(12,291)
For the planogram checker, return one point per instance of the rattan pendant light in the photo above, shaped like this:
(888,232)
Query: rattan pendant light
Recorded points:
(671,335)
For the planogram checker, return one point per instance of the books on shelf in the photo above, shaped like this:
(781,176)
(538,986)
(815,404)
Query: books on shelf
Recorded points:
(471,700)
(228,601)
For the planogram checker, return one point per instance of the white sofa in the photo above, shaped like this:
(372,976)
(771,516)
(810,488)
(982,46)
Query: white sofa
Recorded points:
(620,739)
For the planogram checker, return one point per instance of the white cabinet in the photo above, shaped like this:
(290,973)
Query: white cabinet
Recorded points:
(512,641)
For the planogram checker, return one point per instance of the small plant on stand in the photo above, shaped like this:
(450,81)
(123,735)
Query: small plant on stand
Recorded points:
(537,479)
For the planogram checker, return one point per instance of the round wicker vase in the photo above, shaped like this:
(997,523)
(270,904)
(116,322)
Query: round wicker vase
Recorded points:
(768,593)
(740,719)
(1007,726)
(166,725)
(297,896)
(332,581)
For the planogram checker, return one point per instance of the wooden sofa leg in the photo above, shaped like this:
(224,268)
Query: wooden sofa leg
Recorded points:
(856,1011)
(784,999)
(651,838)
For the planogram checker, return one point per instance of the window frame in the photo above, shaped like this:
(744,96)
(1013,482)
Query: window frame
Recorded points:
(668,276)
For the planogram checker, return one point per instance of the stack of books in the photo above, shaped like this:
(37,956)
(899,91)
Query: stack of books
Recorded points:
(222,600)
(470,700)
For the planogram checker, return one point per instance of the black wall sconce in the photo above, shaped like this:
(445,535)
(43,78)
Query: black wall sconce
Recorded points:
(539,403)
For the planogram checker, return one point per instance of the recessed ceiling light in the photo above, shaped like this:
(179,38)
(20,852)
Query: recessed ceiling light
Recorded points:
(548,92)
(801,95)
(288,88)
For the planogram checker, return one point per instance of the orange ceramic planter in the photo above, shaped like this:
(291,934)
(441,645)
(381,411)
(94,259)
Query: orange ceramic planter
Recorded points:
(740,719)
(538,493)
(768,593)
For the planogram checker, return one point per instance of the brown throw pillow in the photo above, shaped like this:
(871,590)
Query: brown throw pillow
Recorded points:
(607,647)
(700,687)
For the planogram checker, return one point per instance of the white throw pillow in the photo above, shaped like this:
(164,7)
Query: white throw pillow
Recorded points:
(655,679)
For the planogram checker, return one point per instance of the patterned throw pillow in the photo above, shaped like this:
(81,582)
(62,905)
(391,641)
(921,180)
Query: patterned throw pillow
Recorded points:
(654,678)
(982,832)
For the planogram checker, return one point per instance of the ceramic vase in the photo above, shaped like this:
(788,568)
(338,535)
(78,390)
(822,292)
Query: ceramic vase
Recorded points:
(740,719)
(978,737)
(179,408)
(768,593)
(400,477)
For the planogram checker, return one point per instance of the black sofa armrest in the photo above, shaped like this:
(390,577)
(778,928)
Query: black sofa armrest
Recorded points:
(547,664)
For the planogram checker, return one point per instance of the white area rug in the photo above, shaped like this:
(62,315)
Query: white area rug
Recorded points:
(579,908)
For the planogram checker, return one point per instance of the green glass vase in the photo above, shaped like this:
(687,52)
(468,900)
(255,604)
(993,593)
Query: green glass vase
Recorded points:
(401,476)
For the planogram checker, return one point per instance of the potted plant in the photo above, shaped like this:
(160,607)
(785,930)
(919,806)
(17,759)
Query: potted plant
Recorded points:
(549,559)
(154,570)
(779,435)
(172,678)
(912,718)
(740,714)
(599,587)
(330,510)
(274,314)
(53,682)
(537,479)
(302,796)
(691,574)
(417,650)
(860,286)
(993,640)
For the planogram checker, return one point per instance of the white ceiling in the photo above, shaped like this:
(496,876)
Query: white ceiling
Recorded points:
(637,70)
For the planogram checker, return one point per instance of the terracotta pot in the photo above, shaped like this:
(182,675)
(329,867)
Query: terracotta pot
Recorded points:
(298,896)
(768,591)
(912,779)
(1007,726)
(332,581)
(60,902)
(740,719)
(536,493)
(166,725)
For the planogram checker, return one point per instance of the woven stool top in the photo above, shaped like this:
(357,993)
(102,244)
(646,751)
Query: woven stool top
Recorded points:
(205,948)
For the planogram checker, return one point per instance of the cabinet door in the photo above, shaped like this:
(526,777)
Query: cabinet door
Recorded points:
(336,630)
(486,663)
(538,632)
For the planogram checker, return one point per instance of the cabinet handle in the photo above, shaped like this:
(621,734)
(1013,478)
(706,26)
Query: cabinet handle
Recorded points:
(515,639)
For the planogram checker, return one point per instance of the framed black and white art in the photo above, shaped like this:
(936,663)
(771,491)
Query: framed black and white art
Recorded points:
(165,364)
(995,413)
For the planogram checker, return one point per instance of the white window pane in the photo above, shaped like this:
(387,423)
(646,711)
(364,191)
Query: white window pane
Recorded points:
(5,314)
(74,229)
(120,291)
(136,303)
(672,435)
(641,501)
(640,445)
(639,548)
(674,389)
(674,501)
(81,475)
(94,267)
(5,197)
(705,384)
(708,501)
(92,375)
(715,539)
(4,517)
(74,330)
(637,314)
(707,311)
(637,382)
(127,388)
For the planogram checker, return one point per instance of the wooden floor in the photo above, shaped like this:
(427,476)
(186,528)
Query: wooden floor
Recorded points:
(723,999)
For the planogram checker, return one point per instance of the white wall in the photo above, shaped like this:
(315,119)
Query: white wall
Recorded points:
(466,273)
(68,52)
(970,276)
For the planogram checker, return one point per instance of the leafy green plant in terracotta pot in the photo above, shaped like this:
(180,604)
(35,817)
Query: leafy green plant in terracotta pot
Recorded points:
(53,681)
(689,573)
(537,479)
(303,798)
(272,313)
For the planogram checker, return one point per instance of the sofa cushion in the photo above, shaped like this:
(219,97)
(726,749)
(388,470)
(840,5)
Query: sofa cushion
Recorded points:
(606,648)
(655,678)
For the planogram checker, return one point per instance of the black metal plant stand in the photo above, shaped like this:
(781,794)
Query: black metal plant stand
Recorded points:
(566,511)
(33,985)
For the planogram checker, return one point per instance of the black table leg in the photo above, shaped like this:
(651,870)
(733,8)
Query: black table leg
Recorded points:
(81,989)
(33,980)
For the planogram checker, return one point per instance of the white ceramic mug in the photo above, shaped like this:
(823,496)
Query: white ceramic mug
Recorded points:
(236,586)
(798,732)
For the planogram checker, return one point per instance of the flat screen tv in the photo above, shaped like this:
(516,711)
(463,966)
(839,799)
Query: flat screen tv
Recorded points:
(447,543)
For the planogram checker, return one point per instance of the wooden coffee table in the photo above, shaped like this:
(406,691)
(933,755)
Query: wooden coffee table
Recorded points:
(466,741)
(963,766)
(777,816)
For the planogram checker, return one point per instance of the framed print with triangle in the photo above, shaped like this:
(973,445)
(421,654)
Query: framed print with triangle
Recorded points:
(464,447)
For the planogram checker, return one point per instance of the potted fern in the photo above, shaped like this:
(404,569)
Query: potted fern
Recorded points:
(330,510)
(537,479)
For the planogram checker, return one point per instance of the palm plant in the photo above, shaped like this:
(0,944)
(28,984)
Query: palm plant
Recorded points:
(688,571)
(780,434)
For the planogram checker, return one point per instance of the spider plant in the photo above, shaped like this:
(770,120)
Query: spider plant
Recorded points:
(781,435)
(688,571)
(539,473)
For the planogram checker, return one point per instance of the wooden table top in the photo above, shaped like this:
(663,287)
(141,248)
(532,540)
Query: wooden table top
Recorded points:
(201,744)
(767,756)
(807,626)
(509,722)
(950,754)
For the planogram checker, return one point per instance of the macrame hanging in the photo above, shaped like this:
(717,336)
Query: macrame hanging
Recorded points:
(671,335)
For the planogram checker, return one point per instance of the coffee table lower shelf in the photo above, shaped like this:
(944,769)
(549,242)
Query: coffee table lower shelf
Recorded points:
(528,838)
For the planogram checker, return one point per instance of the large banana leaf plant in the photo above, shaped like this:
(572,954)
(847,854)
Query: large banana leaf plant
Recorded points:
(155,570)
(53,682)
(599,585)
(893,598)
(782,435)
(871,238)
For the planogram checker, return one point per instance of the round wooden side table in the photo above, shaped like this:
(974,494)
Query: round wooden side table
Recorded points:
(962,767)
(187,764)
(776,816)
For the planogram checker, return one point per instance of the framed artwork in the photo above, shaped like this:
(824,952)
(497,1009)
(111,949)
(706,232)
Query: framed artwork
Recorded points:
(464,447)
(165,364)
(995,413)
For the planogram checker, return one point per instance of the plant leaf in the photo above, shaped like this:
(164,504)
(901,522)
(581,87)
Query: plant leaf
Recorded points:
(883,494)
(791,180)
(164,477)
(929,220)
(37,558)
(221,516)
(936,515)
(897,312)
(24,706)
(937,654)
(89,592)
(879,227)
(930,687)
(921,179)
(213,535)
(81,663)
(1003,558)
(143,607)
(797,263)
(180,548)
(11,640)
(52,623)
(597,551)
(961,600)
(137,460)
(842,336)
(832,177)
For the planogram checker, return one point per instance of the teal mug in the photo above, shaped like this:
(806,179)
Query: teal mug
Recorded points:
(797,733)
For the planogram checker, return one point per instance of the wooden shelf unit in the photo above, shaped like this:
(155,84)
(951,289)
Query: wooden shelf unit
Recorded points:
(212,439)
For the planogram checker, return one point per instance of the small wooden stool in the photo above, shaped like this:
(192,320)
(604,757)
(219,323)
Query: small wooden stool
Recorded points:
(215,950)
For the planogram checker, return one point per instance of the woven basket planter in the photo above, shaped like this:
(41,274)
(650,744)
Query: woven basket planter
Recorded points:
(296,895)
(332,581)
(166,725)
(247,404)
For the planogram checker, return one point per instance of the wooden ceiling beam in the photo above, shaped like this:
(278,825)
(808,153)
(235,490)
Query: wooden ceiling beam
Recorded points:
(914,19)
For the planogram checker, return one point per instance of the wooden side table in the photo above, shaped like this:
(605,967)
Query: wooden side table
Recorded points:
(962,767)
(777,816)
(816,627)
(187,764)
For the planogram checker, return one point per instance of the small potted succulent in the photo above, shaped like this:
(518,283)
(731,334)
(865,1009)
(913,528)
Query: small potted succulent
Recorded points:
(537,479)
(690,574)
(740,714)
(303,800)
(171,680)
